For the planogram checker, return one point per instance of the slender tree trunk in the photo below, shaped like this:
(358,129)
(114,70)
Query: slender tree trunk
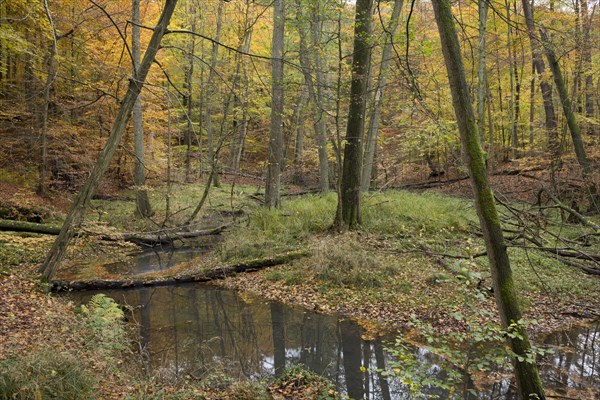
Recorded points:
(210,92)
(546,89)
(373,132)
(276,135)
(481,68)
(527,377)
(576,136)
(188,99)
(315,87)
(586,64)
(42,184)
(514,140)
(141,195)
(532,104)
(352,167)
(76,213)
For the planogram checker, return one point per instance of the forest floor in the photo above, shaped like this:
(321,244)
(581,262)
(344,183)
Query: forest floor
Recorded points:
(402,264)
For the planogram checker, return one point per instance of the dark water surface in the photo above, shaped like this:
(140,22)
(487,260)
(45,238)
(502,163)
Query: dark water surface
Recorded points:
(197,329)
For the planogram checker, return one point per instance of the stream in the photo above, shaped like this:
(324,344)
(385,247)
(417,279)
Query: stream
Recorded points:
(202,331)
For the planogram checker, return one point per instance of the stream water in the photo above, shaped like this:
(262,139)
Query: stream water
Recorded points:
(198,330)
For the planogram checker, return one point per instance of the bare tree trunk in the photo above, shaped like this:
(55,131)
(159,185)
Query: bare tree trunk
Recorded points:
(139,178)
(481,69)
(586,60)
(373,131)
(42,184)
(315,86)
(576,136)
(527,377)
(210,91)
(76,213)
(188,99)
(276,136)
(546,88)
(349,207)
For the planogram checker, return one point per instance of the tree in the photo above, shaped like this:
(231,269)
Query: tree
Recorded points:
(526,373)
(276,133)
(348,215)
(76,213)
(139,178)
(373,131)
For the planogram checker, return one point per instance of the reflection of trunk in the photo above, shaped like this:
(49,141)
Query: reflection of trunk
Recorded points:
(139,178)
(351,350)
(76,213)
(145,320)
(278,326)
(383,383)
(275,148)
(526,374)
(546,88)
(348,216)
(369,171)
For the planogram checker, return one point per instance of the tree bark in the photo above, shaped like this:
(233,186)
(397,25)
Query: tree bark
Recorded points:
(76,213)
(481,68)
(373,131)
(139,178)
(51,75)
(546,88)
(276,135)
(527,376)
(188,98)
(315,89)
(348,216)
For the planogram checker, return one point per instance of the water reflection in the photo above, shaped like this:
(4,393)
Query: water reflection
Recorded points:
(195,329)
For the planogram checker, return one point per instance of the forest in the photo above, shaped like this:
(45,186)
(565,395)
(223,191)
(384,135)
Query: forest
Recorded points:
(299,199)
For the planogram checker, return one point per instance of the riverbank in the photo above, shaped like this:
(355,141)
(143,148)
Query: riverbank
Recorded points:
(406,262)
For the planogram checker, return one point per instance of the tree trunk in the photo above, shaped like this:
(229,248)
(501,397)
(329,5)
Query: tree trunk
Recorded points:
(348,216)
(546,88)
(315,89)
(188,99)
(139,178)
(481,69)
(276,135)
(76,213)
(210,92)
(373,131)
(527,377)
(586,64)
(576,136)
(42,184)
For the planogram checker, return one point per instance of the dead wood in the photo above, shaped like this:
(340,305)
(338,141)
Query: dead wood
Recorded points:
(157,238)
(219,272)
(22,226)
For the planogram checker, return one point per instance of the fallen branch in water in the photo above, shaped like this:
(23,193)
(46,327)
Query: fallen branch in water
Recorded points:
(218,272)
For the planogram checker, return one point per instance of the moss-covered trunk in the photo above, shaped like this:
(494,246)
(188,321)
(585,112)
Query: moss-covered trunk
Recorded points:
(526,374)
(348,215)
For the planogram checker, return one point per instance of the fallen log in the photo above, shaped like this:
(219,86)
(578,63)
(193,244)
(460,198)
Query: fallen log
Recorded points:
(219,272)
(32,227)
(158,238)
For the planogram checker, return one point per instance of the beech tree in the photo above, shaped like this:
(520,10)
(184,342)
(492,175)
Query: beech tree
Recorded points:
(76,213)
(526,373)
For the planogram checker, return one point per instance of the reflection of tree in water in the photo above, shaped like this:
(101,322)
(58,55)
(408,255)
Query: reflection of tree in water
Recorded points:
(194,329)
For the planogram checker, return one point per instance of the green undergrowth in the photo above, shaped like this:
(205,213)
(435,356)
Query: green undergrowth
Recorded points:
(182,200)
